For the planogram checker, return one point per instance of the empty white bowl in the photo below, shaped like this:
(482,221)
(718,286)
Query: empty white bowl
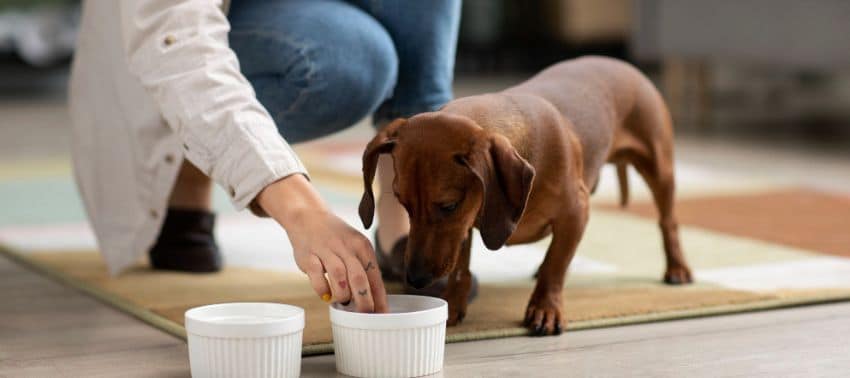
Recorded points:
(245,340)
(409,341)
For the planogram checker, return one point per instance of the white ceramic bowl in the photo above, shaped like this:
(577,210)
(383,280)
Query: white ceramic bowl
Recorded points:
(409,341)
(245,340)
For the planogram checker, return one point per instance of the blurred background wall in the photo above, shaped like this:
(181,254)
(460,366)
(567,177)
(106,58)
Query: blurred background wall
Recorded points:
(772,71)
(767,69)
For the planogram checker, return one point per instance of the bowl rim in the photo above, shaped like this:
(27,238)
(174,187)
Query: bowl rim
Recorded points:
(277,319)
(436,313)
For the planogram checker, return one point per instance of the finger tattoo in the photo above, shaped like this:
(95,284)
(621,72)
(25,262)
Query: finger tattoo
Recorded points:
(369,266)
(362,292)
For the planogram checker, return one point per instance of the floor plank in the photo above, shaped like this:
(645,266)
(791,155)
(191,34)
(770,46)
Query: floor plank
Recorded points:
(805,341)
(50,330)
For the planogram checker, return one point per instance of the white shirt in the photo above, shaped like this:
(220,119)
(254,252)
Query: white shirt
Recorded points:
(153,82)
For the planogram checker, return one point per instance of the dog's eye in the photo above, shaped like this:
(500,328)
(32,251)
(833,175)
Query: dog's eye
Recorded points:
(448,207)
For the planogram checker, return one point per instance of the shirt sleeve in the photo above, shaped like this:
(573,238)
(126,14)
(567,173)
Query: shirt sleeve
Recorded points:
(179,51)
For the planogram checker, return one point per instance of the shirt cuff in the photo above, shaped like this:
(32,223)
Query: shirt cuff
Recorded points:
(254,205)
(263,173)
(247,160)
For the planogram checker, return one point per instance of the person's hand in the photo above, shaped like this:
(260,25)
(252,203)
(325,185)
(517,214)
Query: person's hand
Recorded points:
(324,243)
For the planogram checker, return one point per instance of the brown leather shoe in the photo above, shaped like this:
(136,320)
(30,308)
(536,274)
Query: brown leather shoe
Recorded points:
(392,269)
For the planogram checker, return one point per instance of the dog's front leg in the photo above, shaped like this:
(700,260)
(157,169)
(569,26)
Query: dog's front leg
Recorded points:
(544,314)
(460,282)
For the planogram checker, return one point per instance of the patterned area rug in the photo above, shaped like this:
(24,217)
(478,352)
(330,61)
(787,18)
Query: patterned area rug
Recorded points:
(752,246)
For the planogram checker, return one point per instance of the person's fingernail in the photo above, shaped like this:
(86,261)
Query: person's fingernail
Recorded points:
(326,298)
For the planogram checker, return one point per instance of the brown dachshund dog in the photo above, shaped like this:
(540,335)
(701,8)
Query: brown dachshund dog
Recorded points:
(520,165)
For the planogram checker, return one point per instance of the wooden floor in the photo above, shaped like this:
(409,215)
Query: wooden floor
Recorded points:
(50,330)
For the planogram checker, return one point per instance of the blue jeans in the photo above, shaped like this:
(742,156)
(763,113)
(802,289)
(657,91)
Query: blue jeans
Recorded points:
(319,66)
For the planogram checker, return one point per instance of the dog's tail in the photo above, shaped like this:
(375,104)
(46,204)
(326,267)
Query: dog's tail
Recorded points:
(623,178)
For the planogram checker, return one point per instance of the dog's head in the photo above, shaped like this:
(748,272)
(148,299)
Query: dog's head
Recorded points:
(450,175)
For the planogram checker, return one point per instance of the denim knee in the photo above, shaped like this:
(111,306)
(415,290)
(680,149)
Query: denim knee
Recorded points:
(346,86)
(321,70)
(426,51)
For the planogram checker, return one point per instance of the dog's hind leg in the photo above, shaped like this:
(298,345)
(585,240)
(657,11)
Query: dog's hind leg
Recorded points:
(657,171)
(648,134)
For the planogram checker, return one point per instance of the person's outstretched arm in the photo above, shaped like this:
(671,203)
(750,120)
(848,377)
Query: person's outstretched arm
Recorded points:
(179,51)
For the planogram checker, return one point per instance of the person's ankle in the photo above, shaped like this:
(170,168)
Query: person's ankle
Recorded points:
(393,224)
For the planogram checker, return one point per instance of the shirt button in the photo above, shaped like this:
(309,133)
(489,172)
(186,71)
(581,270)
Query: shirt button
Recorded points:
(153,213)
(169,40)
(232,192)
(185,147)
(169,158)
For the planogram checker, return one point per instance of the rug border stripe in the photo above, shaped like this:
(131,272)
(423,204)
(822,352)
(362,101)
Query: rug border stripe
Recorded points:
(179,331)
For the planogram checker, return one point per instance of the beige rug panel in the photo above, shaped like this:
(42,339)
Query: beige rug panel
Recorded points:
(498,309)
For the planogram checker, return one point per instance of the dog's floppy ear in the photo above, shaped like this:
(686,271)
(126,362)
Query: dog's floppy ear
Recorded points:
(382,143)
(506,180)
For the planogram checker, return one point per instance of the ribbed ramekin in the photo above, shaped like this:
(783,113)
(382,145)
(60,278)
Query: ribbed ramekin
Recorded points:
(245,340)
(409,341)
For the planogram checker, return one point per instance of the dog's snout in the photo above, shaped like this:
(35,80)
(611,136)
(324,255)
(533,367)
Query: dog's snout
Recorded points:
(417,273)
(418,279)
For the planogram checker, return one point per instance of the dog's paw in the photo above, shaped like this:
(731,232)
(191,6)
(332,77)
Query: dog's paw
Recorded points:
(455,317)
(678,275)
(544,315)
